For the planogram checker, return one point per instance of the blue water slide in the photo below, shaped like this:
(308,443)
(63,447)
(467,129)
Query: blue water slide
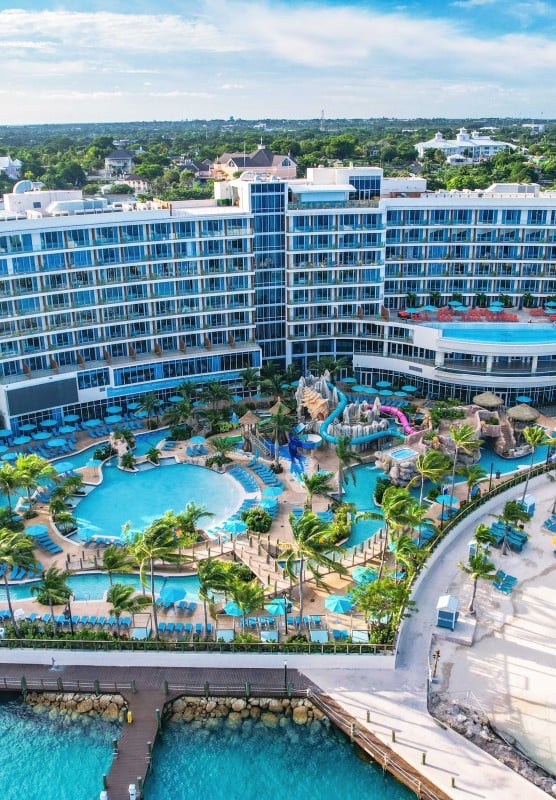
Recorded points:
(370,437)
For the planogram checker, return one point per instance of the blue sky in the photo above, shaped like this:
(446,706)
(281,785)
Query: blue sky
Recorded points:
(72,61)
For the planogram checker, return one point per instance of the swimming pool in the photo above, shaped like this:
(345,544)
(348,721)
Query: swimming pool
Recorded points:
(510,333)
(402,453)
(94,585)
(141,497)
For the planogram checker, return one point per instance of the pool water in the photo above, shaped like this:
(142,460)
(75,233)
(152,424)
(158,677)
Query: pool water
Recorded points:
(256,763)
(50,760)
(511,333)
(93,586)
(141,497)
(401,453)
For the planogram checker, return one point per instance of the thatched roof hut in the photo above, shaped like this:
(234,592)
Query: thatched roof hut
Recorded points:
(523,413)
(249,419)
(488,400)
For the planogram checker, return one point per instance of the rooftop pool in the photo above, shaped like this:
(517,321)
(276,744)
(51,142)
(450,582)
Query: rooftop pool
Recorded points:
(498,332)
(140,497)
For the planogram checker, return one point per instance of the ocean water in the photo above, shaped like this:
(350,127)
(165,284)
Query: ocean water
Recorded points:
(43,759)
(256,763)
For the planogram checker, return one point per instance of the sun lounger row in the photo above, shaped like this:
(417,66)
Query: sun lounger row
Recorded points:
(515,538)
(44,540)
(266,475)
(105,540)
(244,478)
(504,583)
(550,524)
(20,574)
(185,605)
(185,629)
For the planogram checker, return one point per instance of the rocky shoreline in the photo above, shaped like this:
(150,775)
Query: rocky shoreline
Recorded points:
(75,707)
(476,727)
(232,712)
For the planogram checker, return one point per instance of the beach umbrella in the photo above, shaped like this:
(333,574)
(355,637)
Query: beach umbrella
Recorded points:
(368,390)
(235,526)
(48,423)
(175,398)
(114,410)
(5,432)
(232,609)
(429,309)
(113,419)
(135,406)
(383,384)
(93,423)
(495,309)
(172,594)
(272,491)
(236,398)
(268,504)
(523,398)
(409,388)
(66,429)
(71,418)
(41,435)
(358,388)
(197,439)
(349,380)
(141,414)
(454,303)
(338,604)
(284,386)
(447,499)
(29,426)
(9,456)
(364,575)
(400,394)
(550,304)
(550,311)
(413,310)
(385,393)
(294,384)
(63,466)
(57,442)
(523,413)
(3,448)
(93,462)
(22,440)
(276,607)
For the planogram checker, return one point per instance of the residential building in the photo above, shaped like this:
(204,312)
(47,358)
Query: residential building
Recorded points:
(261,161)
(100,304)
(11,167)
(118,163)
(471,145)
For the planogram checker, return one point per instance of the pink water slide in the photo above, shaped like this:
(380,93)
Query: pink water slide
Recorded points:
(407,429)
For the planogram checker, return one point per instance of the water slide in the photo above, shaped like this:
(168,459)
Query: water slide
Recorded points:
(407,429)
(370,437)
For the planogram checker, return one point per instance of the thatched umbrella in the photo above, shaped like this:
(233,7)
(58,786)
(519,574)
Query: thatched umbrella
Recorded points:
(279,406)
(523,413)
(488,400)
(249,420)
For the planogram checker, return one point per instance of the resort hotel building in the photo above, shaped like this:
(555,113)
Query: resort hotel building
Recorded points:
(100,304)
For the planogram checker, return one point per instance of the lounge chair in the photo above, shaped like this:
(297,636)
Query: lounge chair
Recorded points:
(93,621)
(101,622)
(170,627)
(199,628)
(181,605)
(209,628)
(32,617)
(125,622)
(339,635)
(191,606)
(179,628)
(162,627)
(83,620)
(188,628)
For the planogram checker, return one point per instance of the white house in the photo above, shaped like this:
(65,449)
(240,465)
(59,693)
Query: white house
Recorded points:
(11,167)
(471,145)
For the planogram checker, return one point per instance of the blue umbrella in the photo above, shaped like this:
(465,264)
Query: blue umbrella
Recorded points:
(113,419)
(141,414)
(175,398)
(276,606)
(22,440)
(409,388)
(71,417)
(522,398)
(172,594)
(63,466)
(36,530)
(93,462)
(272,491)
(93,423)
(197,439)
(429,308)
(400,394)
(383,384)
(269,504)
(49,423)
(550,311)
(5,432)
(358,388)
(134,406)
(349,380)
(232,609)
(496,309)
(41,435)
(56,442)
(66,429)
(550,304)
(9,456)
(364,575)
(3,448)
(236,398)
(447,499)
(29,426)
(338,603)
(385,393)
(235,526)
(114,410)
(454,303)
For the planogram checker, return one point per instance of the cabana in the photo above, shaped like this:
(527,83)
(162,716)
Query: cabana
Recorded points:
(488,400)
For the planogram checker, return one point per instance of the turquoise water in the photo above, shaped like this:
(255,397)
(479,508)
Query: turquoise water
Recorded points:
(403,452)
(42,759)
(255,763)
(141,497)
(511,333)
(93,586)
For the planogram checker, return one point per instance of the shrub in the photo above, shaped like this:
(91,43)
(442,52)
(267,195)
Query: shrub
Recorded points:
(257,520)
(104,452)
(381,485)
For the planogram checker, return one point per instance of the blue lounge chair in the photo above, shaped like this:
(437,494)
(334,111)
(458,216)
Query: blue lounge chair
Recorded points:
(125,622)
(170,627)
(188,628)
(46,617)
(101,622)
(199,628)
(111,621)
(32,617)
(93,620)
(181,605)
(191,606)
(179,628)
(209,628)
(162,627)
(83,620)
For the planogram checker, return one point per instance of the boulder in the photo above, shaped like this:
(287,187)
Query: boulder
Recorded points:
(300,715)
(269,719)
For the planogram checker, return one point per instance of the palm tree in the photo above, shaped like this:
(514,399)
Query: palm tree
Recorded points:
(150,403)
(478,567)
(483,536)
(407,552)
(215,392)
(465,441)
(333,365)
(223,445)
(273,385)
(186,520)
(512,514)
(116,560)
(153,455)
(396,501)
(9,482)
(122,598)
(65,521)
(249,378)
(473,474)
(311,548)
(346,459)
(53,590)
(249,595)
(32,472)
(187,390)
(278,425)
(178,414)
(158,542)
(433,466)
(318,483)
(16,550)
(213,577)
(73,485)
(534,435)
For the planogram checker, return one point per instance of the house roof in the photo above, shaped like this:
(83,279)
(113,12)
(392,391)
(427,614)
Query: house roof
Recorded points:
(261,157)
(118,155)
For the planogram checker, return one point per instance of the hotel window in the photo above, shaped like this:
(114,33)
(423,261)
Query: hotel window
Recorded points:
(51,240)
(536,217)
(511,216)
(487,216)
